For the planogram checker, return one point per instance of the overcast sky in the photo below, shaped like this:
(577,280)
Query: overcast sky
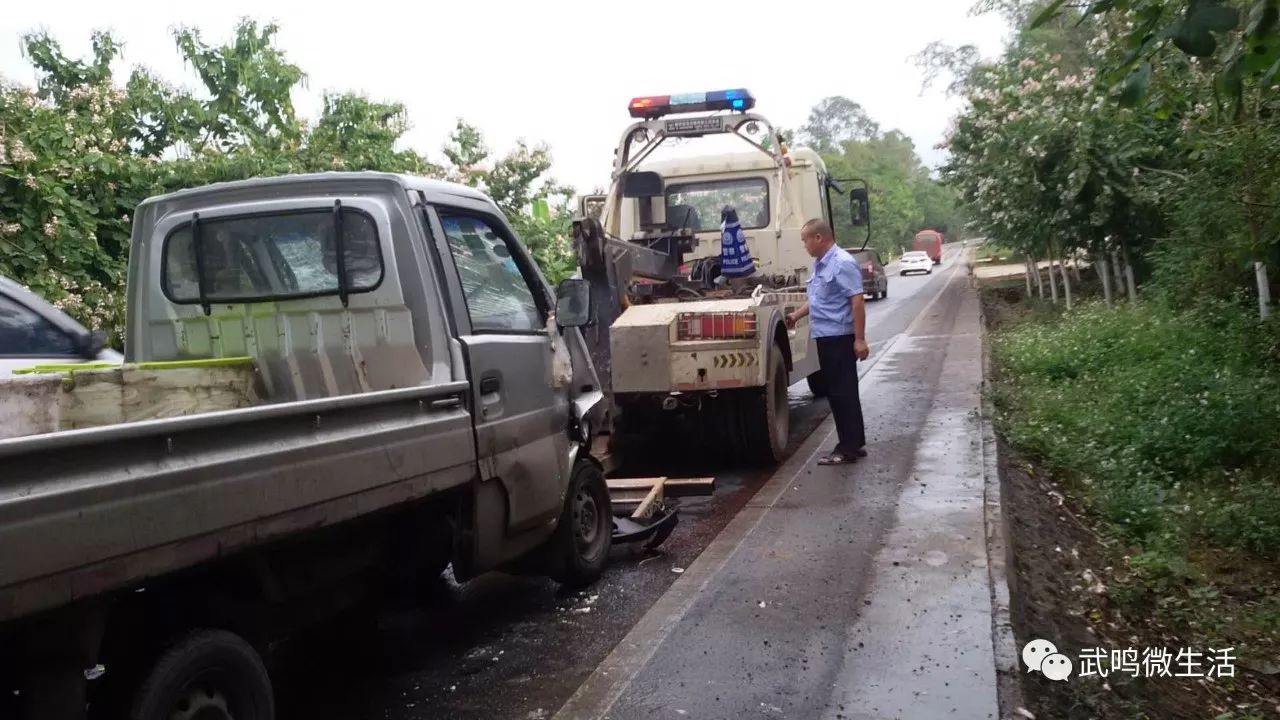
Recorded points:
(557,71)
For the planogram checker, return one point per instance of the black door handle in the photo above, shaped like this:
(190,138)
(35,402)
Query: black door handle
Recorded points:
(490,385)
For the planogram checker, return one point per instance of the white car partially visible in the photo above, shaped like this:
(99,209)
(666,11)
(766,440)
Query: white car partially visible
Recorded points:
(33,332)
(915,261)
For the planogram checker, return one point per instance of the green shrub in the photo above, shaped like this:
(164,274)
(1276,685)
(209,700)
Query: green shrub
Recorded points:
(1172,415)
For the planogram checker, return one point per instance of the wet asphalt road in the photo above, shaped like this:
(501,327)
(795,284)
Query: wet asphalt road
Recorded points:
(516,647)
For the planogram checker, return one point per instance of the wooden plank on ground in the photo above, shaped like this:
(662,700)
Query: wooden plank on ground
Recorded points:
(673,487)
(649,504)
(633,483)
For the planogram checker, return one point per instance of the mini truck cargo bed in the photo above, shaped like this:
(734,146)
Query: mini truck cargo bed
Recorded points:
(99,509)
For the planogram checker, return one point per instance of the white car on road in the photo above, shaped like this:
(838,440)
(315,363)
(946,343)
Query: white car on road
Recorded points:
(33,332)
(915,261)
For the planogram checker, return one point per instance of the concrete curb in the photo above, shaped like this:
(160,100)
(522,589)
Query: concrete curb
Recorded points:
(999,552)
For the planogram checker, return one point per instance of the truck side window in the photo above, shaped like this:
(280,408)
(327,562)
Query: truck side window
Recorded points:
(23,333)
(498,296)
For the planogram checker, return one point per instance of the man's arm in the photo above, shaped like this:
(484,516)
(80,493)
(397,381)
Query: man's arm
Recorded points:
(860,347)
(853,284)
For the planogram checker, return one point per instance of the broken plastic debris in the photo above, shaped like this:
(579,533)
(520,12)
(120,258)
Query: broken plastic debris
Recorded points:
(95,672)
(762,603)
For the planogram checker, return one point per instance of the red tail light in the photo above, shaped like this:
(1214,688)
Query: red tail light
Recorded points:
(716,326)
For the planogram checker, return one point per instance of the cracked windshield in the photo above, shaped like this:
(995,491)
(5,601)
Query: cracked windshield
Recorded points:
(865,361)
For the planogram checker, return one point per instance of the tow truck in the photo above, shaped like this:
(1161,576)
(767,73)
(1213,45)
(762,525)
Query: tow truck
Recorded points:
(682,353)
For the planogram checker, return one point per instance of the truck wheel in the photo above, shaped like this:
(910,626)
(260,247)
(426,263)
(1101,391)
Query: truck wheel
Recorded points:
(766,419)
(817,384)
(208,675)
(585,531)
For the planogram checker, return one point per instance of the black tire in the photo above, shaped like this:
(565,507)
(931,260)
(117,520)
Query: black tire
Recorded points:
(719,431)
(818,384)
(580,546)
(208,673)
(766,416)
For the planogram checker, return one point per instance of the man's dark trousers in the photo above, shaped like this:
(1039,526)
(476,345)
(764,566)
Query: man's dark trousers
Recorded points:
(840,371)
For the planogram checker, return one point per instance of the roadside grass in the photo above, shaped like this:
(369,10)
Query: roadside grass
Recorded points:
(997,254)
(1164,425)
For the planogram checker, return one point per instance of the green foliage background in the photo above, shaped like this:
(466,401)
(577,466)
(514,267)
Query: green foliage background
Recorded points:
(905,198)
(82,148)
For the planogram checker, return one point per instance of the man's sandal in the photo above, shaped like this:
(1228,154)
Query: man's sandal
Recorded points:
(840,458)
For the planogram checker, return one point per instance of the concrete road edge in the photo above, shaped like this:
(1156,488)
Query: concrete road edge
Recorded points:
(999,551)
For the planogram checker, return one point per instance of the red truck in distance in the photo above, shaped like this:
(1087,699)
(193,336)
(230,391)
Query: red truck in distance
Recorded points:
(929,241)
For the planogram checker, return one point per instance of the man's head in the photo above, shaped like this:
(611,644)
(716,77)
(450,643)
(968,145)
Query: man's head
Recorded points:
(817,237)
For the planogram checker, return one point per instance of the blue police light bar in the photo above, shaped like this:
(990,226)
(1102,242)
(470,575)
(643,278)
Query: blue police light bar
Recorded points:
(655,106)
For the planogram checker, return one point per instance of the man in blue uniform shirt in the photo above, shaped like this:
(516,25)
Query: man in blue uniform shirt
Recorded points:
(838,324)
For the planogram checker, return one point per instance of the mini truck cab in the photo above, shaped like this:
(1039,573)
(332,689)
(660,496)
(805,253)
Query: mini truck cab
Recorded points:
(675,339)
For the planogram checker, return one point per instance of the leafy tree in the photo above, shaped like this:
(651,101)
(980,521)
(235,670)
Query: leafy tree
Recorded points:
(904,198)
(836,120)
(78,152)
(249,82)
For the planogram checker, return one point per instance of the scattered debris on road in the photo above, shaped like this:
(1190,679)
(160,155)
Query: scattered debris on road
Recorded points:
(644,509)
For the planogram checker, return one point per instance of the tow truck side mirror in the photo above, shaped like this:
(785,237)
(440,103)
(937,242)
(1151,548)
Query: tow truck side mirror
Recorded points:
(573,303)
(860,207)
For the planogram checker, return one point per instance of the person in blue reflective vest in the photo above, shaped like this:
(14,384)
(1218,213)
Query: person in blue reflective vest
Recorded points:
(736,263)
(838,326)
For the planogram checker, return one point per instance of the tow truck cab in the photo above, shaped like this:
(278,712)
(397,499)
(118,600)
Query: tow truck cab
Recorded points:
(675,339)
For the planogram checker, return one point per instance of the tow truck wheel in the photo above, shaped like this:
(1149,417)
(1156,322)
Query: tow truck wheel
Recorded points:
(767,417)
(585,531)
(207,675)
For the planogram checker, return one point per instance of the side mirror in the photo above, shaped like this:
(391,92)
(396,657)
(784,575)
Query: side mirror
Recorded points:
(860,207)
(573,303)
(91,344)
(591,206)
